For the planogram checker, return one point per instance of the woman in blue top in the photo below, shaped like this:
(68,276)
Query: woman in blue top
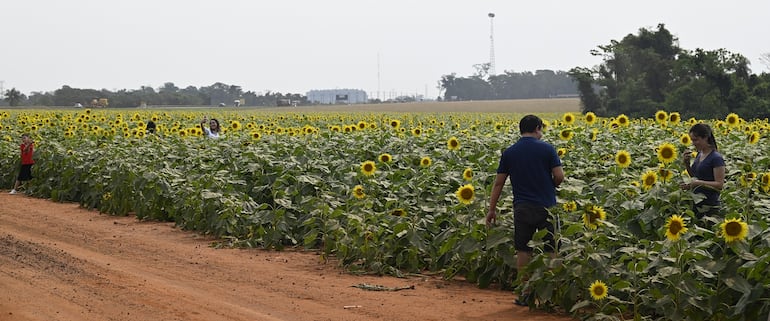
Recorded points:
(707,170)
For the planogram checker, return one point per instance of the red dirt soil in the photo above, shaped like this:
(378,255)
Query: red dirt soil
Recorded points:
(62,262)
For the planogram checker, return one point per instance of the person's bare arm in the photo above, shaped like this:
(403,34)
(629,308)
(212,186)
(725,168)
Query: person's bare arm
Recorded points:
(497,189)
(558,175)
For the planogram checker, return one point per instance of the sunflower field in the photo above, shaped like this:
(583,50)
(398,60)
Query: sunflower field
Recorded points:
(401,193)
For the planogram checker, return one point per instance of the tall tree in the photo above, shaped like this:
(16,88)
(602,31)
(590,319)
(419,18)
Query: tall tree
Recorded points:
(14,97)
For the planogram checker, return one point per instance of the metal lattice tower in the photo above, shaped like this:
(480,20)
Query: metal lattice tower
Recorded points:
(491,43)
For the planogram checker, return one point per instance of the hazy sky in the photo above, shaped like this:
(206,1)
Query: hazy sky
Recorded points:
(396,46)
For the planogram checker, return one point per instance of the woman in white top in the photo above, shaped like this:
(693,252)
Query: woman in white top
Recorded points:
(213,130)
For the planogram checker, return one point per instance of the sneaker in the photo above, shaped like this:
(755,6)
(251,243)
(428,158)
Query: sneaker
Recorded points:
(13,191)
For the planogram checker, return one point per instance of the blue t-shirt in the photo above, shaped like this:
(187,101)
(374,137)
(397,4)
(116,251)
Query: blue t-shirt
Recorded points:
(704,170)
(528,163)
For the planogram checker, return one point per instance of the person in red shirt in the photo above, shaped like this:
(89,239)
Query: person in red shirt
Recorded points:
(27,151)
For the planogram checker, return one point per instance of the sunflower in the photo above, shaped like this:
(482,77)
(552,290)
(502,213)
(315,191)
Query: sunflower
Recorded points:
(594,133)
(685,139)
(385,158)
(335,128)
(765,179)
(256,135)
(592,216)
(368,168)
(661,117)
(734,229)
(561,152)
(590,118)
(648,179)
(358,192)
(570,206)
(416,131)
(675,227)
(623,159)
(398,212)
(667,153)
(465,194)
(362,125)
(395,123)
(747,178)
(598,290)
(674,117)
(453,143)
(566,134)
(622,120)
(568,118)
(665,174)
(425,161)
(235,125)
(468,174)
(733,120)
(754,138)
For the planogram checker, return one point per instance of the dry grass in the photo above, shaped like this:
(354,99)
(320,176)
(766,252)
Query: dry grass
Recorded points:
(557,105)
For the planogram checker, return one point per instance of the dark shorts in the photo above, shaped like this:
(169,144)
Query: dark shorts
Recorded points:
(528,219)
(25,173)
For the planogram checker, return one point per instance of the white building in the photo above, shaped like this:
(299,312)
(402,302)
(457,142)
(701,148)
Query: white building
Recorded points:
(337,96)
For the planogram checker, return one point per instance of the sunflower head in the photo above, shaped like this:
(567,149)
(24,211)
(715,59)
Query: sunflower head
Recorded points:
(667,153)
(674,118)
(561,152)
(398,212)
(395,123)
(465,194)
(592,216)
(598,290)
(417,131)
(623,120)
(623,159)
(568,118)
(590,118)
(453,143)
(468,174)
(661,116)
(732,120)
(385,158)
(648,179)
(368,168)
(675,227)
(734,229)
(425,161)
(754,138)
(570,206)
(685,139)
(566,134)
(358,192)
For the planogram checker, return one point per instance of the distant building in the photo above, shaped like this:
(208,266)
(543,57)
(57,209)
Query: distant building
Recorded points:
(337,96)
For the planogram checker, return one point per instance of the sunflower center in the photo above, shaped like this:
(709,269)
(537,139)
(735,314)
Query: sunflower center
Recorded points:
(733,229)
(466,193)
(368,167)
(667,153)
(454,143)
(675,227)
(622,159)
(598,291)
(649,180)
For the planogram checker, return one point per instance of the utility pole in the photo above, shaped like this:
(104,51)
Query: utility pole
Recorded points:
(491,43)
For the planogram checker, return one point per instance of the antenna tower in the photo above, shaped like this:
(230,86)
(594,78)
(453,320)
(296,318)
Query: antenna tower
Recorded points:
(491,43)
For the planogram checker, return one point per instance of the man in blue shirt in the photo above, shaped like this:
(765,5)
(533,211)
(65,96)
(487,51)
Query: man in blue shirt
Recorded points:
(535,171)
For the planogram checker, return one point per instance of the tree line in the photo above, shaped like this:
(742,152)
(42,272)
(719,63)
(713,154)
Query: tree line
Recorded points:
(167,95)
(648,71)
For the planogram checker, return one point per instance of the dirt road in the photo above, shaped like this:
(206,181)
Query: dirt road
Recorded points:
(61,262)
